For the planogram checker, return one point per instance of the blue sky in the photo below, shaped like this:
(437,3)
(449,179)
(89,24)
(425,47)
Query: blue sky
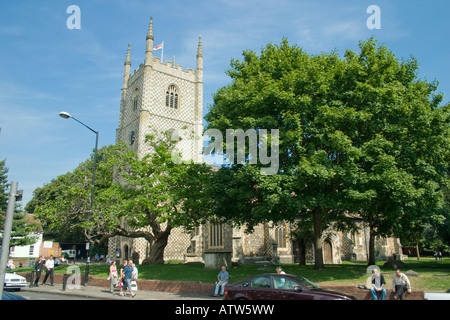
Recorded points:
(46,68)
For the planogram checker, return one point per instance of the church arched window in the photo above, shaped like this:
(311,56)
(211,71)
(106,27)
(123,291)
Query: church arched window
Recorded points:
(280,236)
(172,98)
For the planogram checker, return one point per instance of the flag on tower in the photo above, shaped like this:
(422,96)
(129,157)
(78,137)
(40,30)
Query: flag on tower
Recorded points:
(159,47)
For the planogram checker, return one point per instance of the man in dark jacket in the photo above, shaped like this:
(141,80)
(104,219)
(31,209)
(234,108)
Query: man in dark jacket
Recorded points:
(38,268)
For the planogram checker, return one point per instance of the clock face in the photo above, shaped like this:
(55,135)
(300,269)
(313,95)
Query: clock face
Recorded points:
(132,137)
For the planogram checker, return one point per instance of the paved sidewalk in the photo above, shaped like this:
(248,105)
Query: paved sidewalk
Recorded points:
(102,293)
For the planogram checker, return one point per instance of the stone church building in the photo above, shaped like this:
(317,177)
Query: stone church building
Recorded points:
(164,96)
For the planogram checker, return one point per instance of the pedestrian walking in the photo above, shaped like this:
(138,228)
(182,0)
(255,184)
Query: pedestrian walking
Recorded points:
(135,271)
(49,265)
(127,277)
(113,276)
(38,266)
(121,284)
(134,277)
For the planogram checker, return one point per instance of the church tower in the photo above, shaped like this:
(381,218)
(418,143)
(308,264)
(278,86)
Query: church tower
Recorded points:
(159,96)
(163,96)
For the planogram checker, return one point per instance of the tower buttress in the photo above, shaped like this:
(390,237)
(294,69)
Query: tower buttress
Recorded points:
(198,109)
(150,39)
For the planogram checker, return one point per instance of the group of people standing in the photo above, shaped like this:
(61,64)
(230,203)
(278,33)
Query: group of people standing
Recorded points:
(128,273)
(48,266)
(437,255)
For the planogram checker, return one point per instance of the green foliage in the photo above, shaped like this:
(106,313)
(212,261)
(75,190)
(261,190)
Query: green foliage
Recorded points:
(4,188)
(63,205)
(22,228)
(359,134)
(134,197)
(157,190)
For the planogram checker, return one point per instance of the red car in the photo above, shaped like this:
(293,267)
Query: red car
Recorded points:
(279,287)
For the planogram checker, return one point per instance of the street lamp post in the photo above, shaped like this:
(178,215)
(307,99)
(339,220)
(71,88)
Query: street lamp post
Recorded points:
(65,115)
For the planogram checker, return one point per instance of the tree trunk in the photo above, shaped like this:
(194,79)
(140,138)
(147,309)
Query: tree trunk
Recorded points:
(302,252)
(157,249)
(318,251)
(371,247)
(417,250)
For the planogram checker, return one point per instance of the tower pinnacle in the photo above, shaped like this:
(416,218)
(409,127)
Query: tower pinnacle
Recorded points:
(200,54)
(150,39)
(150,30)
(127,68)
(128,59)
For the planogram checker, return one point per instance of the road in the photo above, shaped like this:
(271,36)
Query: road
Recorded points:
(100,293)
(49,296)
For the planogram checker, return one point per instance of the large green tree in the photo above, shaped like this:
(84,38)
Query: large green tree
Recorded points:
(134,197)
(403,142)
(63,205)
(354,137)
(285,88)
(154,194)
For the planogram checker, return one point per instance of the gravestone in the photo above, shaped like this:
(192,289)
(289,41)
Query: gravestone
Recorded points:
(371,267)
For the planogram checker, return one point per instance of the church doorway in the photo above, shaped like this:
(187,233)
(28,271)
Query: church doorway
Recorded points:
(125,252)
(327,252)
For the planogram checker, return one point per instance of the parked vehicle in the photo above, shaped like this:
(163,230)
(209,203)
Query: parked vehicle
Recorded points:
(70,254)
(14,281)
(437,295)
(11,296)
(279,287)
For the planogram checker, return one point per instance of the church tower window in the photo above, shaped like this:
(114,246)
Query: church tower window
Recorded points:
(135,99)
(280,237)
(172,100)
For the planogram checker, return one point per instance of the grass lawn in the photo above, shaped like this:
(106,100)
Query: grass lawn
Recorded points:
(432,275)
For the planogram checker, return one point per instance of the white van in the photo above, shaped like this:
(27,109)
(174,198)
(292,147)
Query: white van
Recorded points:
(71,254)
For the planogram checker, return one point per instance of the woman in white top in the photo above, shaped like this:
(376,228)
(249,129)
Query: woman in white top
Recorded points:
(112,276)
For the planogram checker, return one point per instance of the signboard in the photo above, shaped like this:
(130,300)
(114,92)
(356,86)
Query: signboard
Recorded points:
(48,244)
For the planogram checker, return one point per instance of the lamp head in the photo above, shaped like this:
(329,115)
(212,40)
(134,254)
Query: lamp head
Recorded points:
(65,115)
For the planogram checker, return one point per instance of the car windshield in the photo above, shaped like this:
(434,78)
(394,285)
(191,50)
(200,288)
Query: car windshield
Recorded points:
(305,282)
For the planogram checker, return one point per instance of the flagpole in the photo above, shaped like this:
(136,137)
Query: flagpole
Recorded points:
(161,46)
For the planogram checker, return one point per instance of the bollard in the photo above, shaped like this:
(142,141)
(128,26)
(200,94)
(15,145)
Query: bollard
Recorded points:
(64,282)
(32,279)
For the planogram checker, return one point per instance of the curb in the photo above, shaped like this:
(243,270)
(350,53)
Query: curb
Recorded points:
(70,292)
